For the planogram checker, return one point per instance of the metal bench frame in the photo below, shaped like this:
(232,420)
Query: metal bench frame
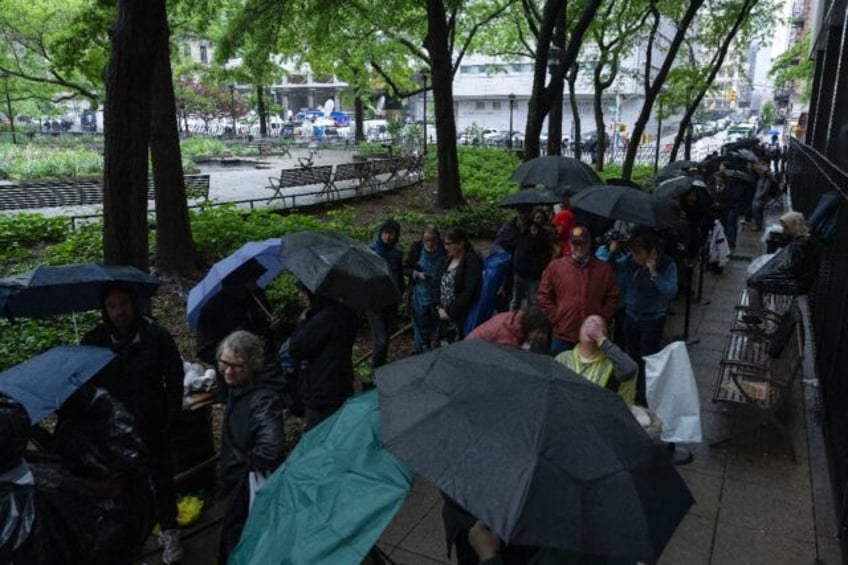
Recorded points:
(750,378)
(303,176)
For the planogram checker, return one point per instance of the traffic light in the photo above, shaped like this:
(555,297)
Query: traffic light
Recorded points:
(730,95)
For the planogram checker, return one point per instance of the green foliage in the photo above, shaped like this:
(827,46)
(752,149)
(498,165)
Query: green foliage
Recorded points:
(768,113)
(21,232)
(643,175)
(81,246)
(38,162)
(485,173)
(23,339)
(203,146)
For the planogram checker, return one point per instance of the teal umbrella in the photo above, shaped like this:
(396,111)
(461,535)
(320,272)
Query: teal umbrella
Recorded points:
(332,498)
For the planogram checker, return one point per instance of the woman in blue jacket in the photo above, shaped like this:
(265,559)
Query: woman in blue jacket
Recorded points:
(651,286)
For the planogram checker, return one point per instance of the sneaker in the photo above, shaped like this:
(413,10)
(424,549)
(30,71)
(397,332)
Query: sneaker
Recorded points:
(172,549)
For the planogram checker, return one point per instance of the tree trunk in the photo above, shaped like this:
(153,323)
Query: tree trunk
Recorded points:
(260,108)
(175,251)
(357,114)
(135,37)
(541,97)
(436,43)
(558,85)
(655,85)
(571,78)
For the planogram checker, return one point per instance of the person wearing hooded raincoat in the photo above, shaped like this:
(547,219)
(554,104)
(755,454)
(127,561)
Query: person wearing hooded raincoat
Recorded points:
(381,321)
(147,378)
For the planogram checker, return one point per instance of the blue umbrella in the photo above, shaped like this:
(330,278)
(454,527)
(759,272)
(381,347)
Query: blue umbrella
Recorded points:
(332,498)
(64,289)
(44,382)
(265,252)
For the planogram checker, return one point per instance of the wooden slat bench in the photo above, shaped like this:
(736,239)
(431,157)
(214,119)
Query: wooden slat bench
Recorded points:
(304,176)
(760,320)
(751,375)
(52,193)
(359,172)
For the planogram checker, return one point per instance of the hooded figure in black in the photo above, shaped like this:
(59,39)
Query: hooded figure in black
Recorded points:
(381,321)
(322,343)
(147,379)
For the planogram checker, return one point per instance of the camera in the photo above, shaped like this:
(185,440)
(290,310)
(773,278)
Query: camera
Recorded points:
(615,235)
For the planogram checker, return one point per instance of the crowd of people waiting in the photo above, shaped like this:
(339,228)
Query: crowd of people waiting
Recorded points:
(593,294)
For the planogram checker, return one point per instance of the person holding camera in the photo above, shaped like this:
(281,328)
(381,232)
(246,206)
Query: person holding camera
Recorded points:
(422,263)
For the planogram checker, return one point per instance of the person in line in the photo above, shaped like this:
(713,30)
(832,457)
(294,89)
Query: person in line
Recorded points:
(563,222)
(253,438)
(651,287)
(531,256)
(322,342)
(147,378)
(527,329)
(381,321)
(601,361)
(573,287)
(240,305)
(460,279)
(422,263)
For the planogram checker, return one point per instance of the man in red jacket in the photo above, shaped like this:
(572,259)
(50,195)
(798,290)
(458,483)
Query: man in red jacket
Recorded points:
(528,328)
(573,287)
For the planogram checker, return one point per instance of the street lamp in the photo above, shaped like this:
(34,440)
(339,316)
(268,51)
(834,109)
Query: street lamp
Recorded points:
(511,106)
(233,107)
(5,76)
(424,76)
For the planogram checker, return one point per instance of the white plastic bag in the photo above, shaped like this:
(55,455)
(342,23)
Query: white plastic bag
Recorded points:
(255,480)
(673,395)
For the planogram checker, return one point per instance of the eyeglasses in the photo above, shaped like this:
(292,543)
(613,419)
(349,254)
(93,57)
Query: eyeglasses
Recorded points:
(224,365)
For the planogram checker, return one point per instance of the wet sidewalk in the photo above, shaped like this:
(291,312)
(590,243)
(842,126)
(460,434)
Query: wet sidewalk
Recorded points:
(753,504)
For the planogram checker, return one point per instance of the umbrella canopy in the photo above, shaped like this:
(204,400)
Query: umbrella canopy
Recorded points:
(562,175)
(50,290)
(624,203)
(544,457)
(338,267)
(44,382)
(674,188)
(332,498)
(674,169)
(266,253)
(530,197)
(747,155)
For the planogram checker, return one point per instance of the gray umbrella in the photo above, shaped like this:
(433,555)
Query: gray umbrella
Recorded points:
(562,175)
(530,197)
(626,204)
(543,456)
(338,267)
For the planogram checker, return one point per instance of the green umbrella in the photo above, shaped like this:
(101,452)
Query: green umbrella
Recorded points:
(332,498)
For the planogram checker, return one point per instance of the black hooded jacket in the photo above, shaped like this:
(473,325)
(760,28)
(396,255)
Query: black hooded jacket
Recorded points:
(325,341)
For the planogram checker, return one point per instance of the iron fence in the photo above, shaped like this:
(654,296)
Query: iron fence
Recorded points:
(811,175)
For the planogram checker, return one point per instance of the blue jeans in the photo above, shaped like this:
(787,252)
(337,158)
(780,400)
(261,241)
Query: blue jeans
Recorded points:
(757,209)
(523,289)
(731,226)
(644,337)
(424,324)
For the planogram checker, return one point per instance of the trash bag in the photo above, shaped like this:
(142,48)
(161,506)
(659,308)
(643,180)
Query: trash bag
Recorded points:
(791,271)
(96,437)
(824,220)
(673,395)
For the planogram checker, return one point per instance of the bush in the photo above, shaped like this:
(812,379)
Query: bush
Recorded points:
(38,162)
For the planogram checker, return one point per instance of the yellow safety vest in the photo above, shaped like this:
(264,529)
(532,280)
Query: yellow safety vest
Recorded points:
(599,370)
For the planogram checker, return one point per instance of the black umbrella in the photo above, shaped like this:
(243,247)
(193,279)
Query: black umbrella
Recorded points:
(530,197)
(563,175)
(674,188)
(338,267)
(675,169)
(64,289)
(543,456)
(624,203)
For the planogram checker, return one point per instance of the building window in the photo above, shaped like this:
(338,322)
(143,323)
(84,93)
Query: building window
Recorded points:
(480,105)
(496,104)
(204,56)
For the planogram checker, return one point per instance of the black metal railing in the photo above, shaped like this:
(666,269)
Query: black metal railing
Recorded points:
(811,175)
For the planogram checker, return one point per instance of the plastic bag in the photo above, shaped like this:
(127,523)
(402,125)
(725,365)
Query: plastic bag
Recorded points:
(758,262)
(673,395)
(791,271)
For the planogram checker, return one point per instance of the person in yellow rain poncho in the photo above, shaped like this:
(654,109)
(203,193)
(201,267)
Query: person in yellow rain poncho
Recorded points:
(601,361)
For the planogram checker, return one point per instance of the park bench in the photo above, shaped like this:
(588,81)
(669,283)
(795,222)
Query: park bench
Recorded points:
(359,172)
(758,371)
(763,319)
(301,177)
(79,192)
